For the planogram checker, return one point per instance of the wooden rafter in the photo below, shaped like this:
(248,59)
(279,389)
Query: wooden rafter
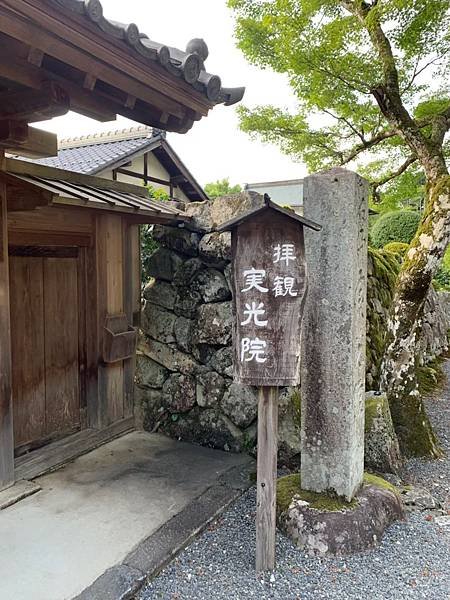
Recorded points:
(18,137)
(34,105)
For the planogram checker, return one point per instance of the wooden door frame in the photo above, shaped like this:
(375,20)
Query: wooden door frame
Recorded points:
(6,410)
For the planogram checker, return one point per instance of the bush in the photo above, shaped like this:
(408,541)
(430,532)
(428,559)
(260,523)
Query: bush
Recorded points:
(399,226)
(397,247)
(442,279)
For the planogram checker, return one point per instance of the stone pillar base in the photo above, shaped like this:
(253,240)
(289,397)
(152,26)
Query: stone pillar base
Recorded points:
(341,528)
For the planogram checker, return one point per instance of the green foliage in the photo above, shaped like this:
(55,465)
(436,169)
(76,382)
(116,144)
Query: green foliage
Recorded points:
(148,244)
(442,278)
(157,193)
(332,60)
(148,247)
(221,187)
(397,248)
(397,226)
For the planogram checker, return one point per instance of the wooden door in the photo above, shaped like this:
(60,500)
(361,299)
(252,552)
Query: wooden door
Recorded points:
(45,348)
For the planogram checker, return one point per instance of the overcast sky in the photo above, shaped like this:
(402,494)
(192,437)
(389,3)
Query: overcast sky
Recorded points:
(214,148)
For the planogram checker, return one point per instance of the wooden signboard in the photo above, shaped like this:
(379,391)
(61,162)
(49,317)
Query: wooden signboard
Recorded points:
(269,288)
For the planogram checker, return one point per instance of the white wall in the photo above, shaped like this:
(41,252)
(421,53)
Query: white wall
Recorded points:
(155,169)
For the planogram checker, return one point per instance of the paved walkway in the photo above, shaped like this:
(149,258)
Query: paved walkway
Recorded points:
(92,513)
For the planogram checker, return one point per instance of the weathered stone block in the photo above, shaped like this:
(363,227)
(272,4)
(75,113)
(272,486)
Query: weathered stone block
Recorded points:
(187,271)
(210,389)
(240,403)
(334,329)
(212,286)
(179,393)
(206,216)
(163,264)
(215,248)
(208,427)
(222,361)
(214,324)
(160,292)
(169,357)
(149,373)
(186,302)
(151,409)
(381,449)
(318,527)
(158,323)
(183,333)
(203,353)
(177,238)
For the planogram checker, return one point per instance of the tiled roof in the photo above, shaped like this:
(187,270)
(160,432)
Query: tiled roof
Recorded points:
(92,154)
(189,65)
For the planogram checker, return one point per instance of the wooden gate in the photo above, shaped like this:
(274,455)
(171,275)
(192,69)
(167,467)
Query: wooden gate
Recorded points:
(45,318)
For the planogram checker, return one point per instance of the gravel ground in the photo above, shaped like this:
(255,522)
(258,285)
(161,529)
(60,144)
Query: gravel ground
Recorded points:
(412,562)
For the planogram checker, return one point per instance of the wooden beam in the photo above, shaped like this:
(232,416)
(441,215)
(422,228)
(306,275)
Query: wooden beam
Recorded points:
(6,409)
(35,57)
(142,176)
(130,102)
(19,138)
(32,105)
(132,303)
(21,198)
(18,70)
(89,81)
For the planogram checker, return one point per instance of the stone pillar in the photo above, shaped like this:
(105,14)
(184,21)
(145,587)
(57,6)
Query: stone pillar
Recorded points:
(334,333)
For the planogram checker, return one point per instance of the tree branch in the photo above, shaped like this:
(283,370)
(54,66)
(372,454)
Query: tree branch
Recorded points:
(368,144)
(377,184)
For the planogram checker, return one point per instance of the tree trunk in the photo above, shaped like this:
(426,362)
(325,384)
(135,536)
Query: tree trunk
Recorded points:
(413,428)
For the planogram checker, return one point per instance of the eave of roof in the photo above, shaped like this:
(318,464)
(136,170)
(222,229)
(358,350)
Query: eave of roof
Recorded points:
(188,65)
(75,189)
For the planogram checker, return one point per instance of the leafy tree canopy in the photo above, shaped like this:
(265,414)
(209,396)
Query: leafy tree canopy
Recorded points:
(335,60)
(221,187)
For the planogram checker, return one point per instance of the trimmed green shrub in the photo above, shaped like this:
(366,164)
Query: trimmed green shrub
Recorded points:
(397,247)
(398,226)
(441,280)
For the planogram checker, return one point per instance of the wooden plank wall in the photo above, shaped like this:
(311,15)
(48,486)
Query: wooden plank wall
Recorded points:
(27,345)
(6,411)
(52,226)
(61,345)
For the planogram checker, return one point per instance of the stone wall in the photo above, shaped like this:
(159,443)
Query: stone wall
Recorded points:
(184,365)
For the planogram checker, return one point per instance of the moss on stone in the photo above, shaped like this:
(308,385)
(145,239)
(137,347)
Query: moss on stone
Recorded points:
(430,377)
(290,486)
(370,479)
(372,412)
(297,404)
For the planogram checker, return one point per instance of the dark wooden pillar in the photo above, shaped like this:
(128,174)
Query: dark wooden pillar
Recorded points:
(6,419)
(132,304)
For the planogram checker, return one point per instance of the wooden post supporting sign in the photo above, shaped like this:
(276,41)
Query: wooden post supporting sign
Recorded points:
(269,287)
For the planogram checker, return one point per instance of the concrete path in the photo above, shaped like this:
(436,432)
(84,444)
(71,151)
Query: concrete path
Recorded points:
(94,512)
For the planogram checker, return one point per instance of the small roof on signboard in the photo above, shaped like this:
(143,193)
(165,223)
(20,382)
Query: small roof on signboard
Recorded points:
(268,205)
